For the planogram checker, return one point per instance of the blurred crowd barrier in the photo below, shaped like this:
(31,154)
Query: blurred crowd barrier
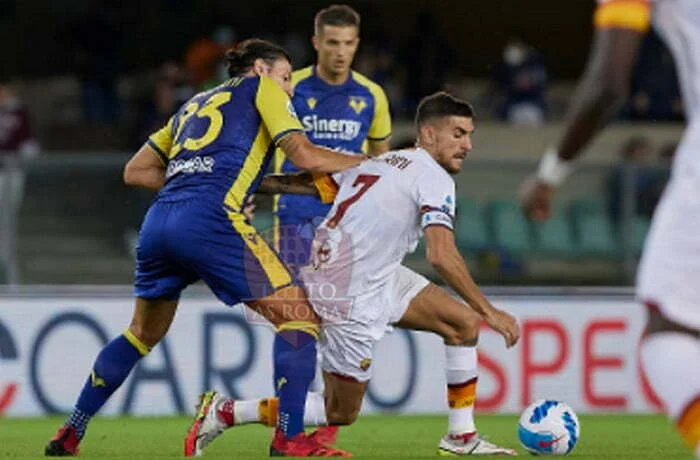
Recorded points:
(576,345)
(67,218)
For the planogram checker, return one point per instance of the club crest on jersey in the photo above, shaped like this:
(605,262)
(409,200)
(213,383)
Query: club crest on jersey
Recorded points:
(358,104)
(311,102)
(365,363)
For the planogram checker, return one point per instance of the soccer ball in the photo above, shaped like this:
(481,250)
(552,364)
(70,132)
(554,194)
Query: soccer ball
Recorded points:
(548,428)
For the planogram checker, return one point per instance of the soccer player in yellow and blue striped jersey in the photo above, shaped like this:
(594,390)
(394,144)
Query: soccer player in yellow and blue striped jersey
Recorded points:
(340,109)
(205,162)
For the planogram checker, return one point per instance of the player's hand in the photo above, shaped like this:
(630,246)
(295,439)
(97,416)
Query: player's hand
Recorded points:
(249,208)
(505,324)
(536,199)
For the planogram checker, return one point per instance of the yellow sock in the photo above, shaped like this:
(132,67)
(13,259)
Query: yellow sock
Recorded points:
(461,396)
(689,424)
(268,409)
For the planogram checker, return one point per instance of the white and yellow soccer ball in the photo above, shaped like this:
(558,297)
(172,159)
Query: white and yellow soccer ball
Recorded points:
(549,427)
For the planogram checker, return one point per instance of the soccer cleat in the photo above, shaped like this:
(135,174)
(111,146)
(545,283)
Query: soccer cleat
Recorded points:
(302,445)
(64,444)
(470,444)
(206,425)
(326,435)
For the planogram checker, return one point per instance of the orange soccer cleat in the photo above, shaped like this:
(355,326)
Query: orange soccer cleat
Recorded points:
(302,445)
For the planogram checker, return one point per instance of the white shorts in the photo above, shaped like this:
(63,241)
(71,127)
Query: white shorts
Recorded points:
(669,272)
(347,345)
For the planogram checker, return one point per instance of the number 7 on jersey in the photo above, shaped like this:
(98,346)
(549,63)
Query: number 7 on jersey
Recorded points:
(365,181)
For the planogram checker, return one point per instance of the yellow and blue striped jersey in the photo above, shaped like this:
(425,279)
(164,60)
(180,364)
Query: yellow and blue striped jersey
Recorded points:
(341,117)
(219,143)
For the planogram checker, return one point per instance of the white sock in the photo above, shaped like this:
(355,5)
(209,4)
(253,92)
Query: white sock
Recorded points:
(671,361)
(461,372)
(315,410)
(248,411)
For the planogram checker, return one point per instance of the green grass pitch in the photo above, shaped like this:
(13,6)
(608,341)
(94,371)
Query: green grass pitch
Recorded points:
(602,436)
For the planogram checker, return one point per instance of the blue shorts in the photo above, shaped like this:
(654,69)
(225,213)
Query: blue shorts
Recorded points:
(293,238)
(185,241)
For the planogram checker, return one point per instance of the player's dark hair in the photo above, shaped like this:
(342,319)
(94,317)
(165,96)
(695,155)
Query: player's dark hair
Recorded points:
(440,105)
(336,15)
(240,59)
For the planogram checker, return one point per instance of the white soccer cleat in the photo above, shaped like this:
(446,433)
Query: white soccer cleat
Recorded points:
(206,425)
(470,444)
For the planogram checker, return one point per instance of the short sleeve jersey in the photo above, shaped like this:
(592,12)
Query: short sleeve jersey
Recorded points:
(341,117)
(219,143)
(377,217)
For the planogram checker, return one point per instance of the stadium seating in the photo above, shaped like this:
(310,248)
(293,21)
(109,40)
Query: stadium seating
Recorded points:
(555,237)
(594,229)
(640,227)
(59,217)
(472,233)
(509,227)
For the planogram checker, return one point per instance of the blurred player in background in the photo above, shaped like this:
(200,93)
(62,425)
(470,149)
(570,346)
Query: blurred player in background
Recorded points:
(668,281)
(339,109)
(380,210)
(205,162)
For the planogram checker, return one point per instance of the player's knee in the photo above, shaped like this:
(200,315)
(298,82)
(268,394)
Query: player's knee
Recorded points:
(452,336)
(464,333)
(471,327)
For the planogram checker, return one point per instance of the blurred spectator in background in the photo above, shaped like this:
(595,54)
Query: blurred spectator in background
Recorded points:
(636,153)
(428,58)
(167,93)
(298,48)
(204,62)
(520,83)
(96,40)
(654,92)
(16,142)
(377,61)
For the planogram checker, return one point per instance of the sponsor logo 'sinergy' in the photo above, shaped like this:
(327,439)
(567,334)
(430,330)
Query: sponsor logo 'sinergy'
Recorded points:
(190,166)
(331,128)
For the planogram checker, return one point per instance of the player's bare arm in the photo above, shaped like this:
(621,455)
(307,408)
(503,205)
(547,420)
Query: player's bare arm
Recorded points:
(375,148)
(145,169)
(602,90)
(298,184)
(305,155)
(443,255)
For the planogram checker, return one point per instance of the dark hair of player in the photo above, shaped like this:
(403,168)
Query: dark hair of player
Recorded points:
(440,105)
(241,59)
(336,15)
